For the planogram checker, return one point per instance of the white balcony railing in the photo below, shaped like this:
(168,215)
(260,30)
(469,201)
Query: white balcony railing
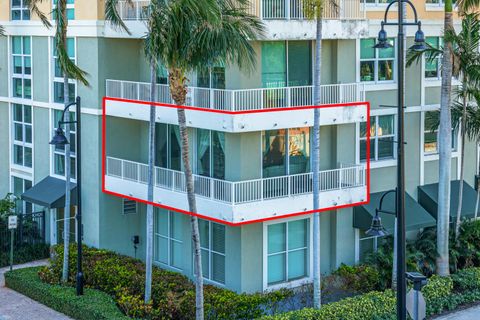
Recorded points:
(347,176)
(266,9)
(241,100)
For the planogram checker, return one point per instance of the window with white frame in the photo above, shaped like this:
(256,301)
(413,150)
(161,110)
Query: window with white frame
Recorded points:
(58,83)
(212,244)
(288,251)
(382,135)
(168,238)
(376,65)
(366,245)
(20,10)
(22,144)
(59,151)
(19,186)
(70,9)
(433,67)
(22,67)
(430,133)
(437,2)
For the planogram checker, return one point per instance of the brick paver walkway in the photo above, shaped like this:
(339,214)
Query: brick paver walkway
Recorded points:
(472,313)
(14,306)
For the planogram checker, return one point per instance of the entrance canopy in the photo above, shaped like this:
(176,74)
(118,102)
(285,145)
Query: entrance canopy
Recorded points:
(50,193)
(416,217)
(428,198)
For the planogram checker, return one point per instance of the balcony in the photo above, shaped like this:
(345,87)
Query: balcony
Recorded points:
(241,110)
(266,10)
(285,19)
(236,202)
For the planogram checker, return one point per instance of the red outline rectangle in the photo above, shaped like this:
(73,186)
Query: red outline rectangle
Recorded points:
(355,104)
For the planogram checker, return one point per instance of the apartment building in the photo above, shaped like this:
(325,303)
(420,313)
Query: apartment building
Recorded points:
(252,160)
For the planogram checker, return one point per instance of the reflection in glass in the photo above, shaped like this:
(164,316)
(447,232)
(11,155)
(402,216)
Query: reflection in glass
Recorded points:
(273,148)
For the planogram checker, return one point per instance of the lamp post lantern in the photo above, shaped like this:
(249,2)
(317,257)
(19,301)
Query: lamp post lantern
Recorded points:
(400,191)
(60,140)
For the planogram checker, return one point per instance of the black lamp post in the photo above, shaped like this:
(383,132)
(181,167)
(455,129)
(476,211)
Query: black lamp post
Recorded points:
(60,140)
(400,194)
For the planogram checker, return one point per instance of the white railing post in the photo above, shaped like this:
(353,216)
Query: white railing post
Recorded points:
(340,176)
(211,188)
(233,106)
(287,9)
(138,91)
(289,94)
(122,90)
(341,98)
(232,195)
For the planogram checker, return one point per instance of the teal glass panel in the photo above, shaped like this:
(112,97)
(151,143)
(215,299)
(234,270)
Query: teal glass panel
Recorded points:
(176,254)
(18,112)
(297,234)
(218,268)
(176,226)
(218,154)
(276,238)
(18,132)
(27,62)
(299,63)
(218,238)
(297,264)
(17,45)
(366,49)
(274,71)
(385,125)
(27,48)
(59,164)
(71,14)
(18,155)
(162,249)
(175,150)
(28,133)
(367,69)
(17,88)
(363,149)
(276,268)
(387,53)
(205,264)
(27,88)
(161,226)
(161,146)
(203,227)
(17,65)
(385,72)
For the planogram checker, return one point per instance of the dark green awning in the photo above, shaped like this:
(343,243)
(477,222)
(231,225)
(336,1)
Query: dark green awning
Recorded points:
(50,193)
(428,198)
(416,216)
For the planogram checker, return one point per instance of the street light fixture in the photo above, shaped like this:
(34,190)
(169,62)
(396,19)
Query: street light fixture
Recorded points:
(400,193)
(60,140)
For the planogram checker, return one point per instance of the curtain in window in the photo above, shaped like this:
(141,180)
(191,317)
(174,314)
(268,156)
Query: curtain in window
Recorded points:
(203,152)
(274,153)
(218,146)
(175,149)
(161,146)
(274,73)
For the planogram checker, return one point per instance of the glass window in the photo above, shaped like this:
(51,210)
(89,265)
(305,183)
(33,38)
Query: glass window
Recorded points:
(382,135)
(168,146)
(430,133)
(58,81)
(433,67)
(299,63)
(70,9)
(376,65)
(168,238)
(274,71)
(211,153)
(287,251)
(19,186)
(282,158)
(22,67)
(20,10)
(367,245)
(59,152)
(22,135)
(212,243)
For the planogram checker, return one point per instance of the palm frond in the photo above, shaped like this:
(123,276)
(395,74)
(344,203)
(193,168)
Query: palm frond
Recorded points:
(33,7)
(431,54)
(112,15)
(2,31)
(467,5)
(66,64)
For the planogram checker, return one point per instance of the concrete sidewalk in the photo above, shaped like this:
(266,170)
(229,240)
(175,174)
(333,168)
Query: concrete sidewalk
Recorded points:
(472,313)
(14,306)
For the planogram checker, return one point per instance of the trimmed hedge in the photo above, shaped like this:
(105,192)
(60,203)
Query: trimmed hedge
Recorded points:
(441,294)
(173,294)
(26,253)
(93,304)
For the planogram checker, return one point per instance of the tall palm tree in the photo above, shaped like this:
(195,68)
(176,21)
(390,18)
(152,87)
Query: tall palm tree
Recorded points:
(70,71)
(465,65)
(192,34)
(445,151)
(313,10)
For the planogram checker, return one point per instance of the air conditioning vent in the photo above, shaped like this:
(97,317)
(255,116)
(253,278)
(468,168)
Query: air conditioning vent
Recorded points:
(129,206)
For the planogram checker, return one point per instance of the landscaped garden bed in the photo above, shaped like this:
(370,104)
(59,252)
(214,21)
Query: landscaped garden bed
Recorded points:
(115,286)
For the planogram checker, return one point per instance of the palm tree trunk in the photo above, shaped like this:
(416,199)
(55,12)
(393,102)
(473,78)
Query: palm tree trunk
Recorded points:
(462,165)
(445,152)
(151,181)
(68,172)
(317,293)
(179,92)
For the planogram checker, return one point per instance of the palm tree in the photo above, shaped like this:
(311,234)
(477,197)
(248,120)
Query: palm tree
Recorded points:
(2,31)
(189,35)
(445,151)
(70,71)
(465,65)
(313,10)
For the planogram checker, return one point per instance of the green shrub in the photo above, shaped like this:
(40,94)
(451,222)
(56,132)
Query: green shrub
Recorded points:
(437,294)
(93,304)
(173,294)
(360,278)
(467,279)
(373,305)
